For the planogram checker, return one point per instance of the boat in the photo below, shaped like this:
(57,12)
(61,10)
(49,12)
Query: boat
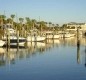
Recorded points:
(66,35)
(51,35)
(35,38)
(2,43)
(14,40)
(56,36)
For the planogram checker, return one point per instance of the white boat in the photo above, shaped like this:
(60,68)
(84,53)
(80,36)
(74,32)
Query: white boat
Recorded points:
(2,43)
(56,36)
(35,38)
(15,44)
(66,35)
(50,35)
(14,40)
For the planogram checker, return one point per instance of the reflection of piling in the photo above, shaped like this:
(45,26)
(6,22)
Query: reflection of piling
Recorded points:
(85,56)
(78,43)
(78,46)
(85,50)
(78,54)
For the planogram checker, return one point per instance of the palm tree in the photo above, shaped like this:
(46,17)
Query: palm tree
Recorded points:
(42,26)
(2,19)
(50,24)
(64,26)
(9,20)
(33,23)
(28,23)
(57,26)
(21,20)
(12,16)
(21,26)
(27,19)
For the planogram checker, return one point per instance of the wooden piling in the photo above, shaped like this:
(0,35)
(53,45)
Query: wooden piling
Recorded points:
(53,35)
(8,39)
(78,38)
(17,38)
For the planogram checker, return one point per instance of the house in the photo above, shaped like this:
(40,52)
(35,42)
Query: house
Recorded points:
(74,26)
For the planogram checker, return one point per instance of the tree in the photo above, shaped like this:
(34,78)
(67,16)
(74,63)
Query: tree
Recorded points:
(42,25)
(64,27)
(21,26)
(9,20)
(50,24)
(12,16)
(33,23)
(27,19)
(2,19)
(28,23)
(21,20)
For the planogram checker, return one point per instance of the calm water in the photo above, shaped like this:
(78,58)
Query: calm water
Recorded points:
(56,60)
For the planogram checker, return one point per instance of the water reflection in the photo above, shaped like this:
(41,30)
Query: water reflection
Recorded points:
(2,57)
(85,52)
(10,56)
(78,54)
(85,56)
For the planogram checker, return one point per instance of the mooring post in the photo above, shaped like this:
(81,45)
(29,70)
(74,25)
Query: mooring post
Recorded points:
(8,39)
(18,38)
(78,38)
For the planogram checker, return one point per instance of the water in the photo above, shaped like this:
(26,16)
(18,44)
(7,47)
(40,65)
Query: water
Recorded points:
(56,60)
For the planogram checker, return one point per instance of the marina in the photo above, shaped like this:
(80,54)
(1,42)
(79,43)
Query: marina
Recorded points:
(43,40)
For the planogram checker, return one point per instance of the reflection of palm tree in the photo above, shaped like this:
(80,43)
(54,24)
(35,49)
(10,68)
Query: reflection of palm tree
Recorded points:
(2,59)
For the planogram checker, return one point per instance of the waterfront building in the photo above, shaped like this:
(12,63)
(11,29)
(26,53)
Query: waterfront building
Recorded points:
(74,26)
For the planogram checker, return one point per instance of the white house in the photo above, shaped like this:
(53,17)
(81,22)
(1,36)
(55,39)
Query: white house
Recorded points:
(74,26)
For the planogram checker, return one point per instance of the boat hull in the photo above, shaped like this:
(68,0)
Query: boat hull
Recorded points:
(52,36)
(35,39)
(2,43)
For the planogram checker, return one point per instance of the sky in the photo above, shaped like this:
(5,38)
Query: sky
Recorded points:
(55,11)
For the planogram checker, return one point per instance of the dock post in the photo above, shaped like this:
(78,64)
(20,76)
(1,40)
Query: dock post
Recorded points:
(8,39)
(78,38)
(53,35)
(25,34)
(17,38)
(46,35)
